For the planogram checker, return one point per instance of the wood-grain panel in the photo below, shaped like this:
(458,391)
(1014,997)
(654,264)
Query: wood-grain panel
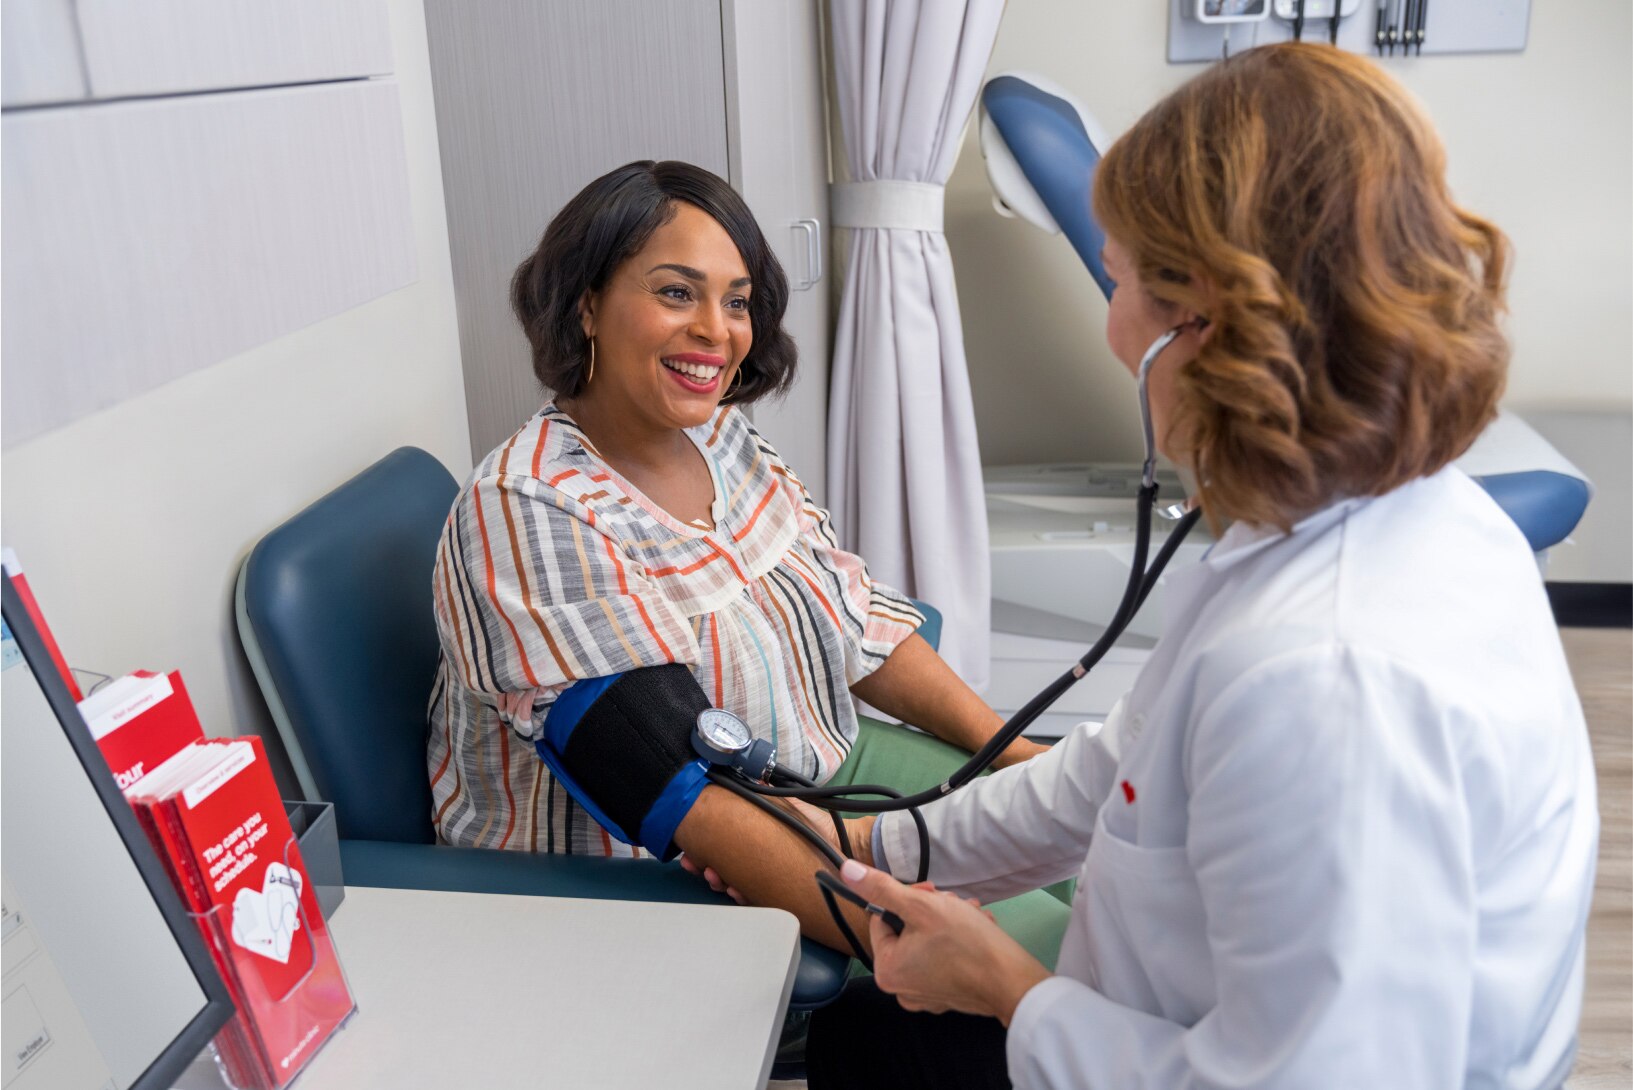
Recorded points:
(778,138)
(533,101)
(1602,664)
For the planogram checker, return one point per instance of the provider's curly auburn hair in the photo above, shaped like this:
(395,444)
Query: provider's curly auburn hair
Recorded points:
(604,225)
(1295,196)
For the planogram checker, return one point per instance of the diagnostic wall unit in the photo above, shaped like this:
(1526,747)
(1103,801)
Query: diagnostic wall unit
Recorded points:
(1449,26)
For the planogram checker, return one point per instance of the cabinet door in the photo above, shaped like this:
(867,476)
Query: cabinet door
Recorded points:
(779,151)
(163,235)
(39,53)
(164,47)
(534,100)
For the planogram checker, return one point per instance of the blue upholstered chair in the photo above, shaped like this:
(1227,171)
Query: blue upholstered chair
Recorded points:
(334,612)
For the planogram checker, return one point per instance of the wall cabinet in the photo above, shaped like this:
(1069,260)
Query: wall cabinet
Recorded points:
(163,47)
(185,180)
(73,50)
(144,240)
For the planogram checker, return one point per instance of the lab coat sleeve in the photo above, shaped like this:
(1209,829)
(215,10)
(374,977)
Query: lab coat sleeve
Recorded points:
(1332,850)
(1016,830)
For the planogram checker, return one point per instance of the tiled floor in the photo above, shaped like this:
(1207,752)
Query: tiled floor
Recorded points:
(1602,663)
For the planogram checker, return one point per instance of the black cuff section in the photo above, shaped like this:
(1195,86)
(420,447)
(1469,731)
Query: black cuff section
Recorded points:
(630,743)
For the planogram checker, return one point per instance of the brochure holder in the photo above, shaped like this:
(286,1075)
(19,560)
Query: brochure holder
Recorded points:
(271,1038)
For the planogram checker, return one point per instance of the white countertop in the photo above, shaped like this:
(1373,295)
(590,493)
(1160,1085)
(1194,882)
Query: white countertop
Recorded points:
(493,991)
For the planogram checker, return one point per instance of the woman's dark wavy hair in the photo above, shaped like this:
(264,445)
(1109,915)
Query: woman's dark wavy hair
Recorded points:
(1296,196)
(607,223)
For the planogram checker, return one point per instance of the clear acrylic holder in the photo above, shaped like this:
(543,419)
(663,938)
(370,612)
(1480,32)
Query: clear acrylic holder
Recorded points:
(263,1046)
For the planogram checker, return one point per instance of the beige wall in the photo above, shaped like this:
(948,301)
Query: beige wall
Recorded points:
(132,522)
(1541,142)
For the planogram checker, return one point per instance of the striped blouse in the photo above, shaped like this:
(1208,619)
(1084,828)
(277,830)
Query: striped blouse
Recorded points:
(553,568)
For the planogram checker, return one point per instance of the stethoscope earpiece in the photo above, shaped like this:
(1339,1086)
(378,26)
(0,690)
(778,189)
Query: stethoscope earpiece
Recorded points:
(1148,477)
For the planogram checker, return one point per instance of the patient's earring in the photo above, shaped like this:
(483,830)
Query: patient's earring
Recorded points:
(736,381)
(591,376)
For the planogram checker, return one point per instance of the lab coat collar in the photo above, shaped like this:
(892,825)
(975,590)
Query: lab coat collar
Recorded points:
(1244,539)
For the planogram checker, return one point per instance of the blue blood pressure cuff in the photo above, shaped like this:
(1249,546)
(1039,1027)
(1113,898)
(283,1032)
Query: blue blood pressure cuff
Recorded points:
(622,747)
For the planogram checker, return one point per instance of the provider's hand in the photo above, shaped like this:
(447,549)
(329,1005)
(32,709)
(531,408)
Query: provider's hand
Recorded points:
(951,955)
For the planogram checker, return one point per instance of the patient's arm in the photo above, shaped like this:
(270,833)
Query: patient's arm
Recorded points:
(768,863)
(917,686)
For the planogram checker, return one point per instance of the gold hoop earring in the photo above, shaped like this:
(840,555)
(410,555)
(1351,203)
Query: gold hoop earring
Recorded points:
(736,381)
(591,376)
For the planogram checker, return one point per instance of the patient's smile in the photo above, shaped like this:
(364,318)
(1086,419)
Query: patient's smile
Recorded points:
(696,371)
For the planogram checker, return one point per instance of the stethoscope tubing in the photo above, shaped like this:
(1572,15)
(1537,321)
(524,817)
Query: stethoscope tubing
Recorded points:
(1140,584)
(842,799)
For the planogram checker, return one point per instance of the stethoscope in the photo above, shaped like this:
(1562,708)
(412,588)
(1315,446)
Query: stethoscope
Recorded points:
(747,766)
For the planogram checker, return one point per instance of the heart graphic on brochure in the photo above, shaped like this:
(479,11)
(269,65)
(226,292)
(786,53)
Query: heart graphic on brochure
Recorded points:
(264,922)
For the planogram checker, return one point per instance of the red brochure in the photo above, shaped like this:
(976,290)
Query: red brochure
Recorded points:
(141,721)
(215,809)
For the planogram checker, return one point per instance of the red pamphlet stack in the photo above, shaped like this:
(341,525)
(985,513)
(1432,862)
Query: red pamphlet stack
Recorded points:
(213,813)
(139,722)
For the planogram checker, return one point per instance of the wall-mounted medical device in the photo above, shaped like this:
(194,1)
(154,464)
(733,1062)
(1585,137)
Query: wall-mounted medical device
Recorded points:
(1206,30)
(1314,10)
(1232,11)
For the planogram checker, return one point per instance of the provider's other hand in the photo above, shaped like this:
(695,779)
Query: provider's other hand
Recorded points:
(951,955)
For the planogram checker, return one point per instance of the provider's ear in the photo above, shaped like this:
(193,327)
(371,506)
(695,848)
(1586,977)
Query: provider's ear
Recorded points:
(1201,324)
(586,314)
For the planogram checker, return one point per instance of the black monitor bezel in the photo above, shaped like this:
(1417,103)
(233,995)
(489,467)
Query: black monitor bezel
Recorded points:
(168,1066)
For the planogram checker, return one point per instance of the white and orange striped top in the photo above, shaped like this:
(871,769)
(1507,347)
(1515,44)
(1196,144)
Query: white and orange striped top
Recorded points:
(553,568)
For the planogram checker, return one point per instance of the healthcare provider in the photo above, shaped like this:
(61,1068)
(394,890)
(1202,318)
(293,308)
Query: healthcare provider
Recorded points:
(1341,832)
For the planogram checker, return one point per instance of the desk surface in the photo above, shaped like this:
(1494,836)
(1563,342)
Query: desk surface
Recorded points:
(469,989)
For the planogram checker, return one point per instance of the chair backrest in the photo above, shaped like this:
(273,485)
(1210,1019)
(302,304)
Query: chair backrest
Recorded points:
(335,614)
(930,630)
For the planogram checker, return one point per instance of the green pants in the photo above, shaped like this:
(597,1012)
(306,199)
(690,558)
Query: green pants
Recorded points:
(910,762)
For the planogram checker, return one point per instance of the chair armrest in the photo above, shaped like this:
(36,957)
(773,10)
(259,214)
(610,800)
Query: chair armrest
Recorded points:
(817,983)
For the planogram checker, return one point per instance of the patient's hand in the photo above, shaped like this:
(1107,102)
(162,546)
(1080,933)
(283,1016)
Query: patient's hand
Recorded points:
(745,853)
(1021,749)
(708,875)
(859,830)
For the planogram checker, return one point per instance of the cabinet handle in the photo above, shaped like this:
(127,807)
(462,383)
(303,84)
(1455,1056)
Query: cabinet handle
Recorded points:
(813,252)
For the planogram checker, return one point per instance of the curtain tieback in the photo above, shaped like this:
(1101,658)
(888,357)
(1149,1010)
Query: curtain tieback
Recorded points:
(888,205)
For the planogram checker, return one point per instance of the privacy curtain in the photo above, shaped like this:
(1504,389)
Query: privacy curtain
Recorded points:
(904,471)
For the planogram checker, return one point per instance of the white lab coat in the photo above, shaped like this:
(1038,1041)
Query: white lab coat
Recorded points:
(1341,832)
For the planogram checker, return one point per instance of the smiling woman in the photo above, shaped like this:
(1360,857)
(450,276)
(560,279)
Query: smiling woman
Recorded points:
(640,520)
(584,259)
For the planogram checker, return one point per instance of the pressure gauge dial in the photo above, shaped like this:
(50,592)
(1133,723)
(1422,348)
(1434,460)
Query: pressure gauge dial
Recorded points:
(721,735)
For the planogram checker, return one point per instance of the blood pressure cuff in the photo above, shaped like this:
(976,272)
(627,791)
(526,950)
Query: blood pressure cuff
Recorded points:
(622,747)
